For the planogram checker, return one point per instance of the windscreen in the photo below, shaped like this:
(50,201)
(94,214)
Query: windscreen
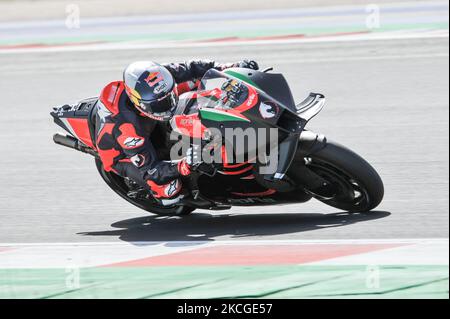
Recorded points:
(217,90)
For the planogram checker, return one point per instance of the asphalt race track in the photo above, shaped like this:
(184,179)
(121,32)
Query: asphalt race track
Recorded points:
(387,99)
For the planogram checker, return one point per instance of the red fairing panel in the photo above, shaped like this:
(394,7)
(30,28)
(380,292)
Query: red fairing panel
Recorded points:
(189,125)
(81,128)
(110,94)
(251,101)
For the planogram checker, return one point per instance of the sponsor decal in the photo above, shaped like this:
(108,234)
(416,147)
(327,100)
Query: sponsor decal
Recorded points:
(251,99)
(156,81)
(154,78)
(160,88)
(138,160)
(133,142)
(187,121)
(173,188)
(153,117)
(112,94)
(254,200)
(268,109)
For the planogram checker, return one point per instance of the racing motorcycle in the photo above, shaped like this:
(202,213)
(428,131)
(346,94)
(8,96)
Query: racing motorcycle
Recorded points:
(308,165)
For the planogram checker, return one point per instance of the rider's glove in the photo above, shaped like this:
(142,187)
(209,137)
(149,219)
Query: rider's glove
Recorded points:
(191,161)
(249,64)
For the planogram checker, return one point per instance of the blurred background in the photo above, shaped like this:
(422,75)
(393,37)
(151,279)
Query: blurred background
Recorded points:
(48,22)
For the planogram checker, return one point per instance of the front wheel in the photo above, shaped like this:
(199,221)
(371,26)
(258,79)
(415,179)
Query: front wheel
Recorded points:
(359,187)
(120,187)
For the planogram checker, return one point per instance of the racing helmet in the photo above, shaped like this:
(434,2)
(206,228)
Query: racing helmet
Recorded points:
(151,88)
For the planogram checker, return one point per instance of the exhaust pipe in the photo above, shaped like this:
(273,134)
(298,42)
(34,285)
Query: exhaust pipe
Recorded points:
(73,143)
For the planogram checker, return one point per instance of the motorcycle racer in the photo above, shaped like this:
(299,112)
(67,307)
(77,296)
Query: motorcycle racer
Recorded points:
(131,122)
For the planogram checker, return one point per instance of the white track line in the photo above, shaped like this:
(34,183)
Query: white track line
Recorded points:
(243,242)
(424,253)
(382,36)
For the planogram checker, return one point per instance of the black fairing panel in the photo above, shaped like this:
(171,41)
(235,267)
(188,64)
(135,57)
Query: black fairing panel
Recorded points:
(274,84)
(83,109)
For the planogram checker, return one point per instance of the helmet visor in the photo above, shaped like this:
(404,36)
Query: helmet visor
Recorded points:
(164,107)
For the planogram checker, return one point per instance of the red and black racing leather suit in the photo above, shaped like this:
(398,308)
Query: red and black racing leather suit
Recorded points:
(123,135)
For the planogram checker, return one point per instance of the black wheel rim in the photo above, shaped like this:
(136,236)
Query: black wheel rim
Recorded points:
(351,194)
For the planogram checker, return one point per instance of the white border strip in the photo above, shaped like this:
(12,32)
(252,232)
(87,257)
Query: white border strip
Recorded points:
(242,242)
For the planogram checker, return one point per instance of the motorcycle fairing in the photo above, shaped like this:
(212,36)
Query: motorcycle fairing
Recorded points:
(258,110)
(76,120)
(273,84)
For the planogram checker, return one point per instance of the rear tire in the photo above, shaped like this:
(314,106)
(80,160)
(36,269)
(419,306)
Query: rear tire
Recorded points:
(118,185)
(360,187)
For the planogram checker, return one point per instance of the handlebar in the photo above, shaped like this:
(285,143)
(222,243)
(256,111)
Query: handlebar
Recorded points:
(267,70)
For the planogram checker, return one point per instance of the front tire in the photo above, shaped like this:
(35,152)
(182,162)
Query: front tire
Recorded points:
(118,185)
(360,188)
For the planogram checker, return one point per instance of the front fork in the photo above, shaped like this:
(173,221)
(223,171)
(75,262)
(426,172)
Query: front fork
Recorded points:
(312,183)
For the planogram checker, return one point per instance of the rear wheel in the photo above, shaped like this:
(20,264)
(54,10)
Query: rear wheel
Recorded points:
(359,187)
(120,187)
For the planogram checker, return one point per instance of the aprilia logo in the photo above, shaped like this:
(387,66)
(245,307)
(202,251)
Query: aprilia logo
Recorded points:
(251,99)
